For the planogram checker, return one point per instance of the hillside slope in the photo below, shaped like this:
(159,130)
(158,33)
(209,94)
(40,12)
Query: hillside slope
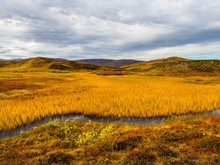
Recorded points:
(45,64)
(176,66)
(109,62)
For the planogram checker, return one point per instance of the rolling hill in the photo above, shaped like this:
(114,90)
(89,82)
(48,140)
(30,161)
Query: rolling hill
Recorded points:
(109,62)
(176,66)
(45,64)
(172,66)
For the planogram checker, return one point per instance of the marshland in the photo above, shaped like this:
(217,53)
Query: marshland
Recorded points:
(41,88)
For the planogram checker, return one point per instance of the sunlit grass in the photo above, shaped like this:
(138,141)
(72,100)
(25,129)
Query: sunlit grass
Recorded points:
(25,97)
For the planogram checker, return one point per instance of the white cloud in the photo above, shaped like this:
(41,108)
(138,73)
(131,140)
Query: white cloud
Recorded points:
(31,49)
(12,27)
(116,33)
(114,29)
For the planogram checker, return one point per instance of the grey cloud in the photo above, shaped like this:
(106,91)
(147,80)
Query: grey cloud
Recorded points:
(177,39)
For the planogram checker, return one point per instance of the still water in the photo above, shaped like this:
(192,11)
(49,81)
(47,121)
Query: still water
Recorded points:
(77,117)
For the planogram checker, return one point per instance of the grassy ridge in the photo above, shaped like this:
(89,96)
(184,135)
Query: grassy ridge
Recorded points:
(45,64)
(41,64)
(175,66)
(191,140)
(25,97)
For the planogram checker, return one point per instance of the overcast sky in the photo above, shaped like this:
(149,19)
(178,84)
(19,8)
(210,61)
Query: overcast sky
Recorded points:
(118,29)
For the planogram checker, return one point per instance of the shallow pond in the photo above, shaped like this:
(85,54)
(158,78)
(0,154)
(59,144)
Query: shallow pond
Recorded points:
(128,120)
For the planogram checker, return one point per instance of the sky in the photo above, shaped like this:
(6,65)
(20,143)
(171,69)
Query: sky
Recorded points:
(115,29)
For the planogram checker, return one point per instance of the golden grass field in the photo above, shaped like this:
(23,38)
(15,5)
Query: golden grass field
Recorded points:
(25,97)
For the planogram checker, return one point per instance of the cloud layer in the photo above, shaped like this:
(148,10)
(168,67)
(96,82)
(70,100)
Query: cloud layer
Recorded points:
(140,29)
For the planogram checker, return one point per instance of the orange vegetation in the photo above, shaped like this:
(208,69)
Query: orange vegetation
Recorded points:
(25,97)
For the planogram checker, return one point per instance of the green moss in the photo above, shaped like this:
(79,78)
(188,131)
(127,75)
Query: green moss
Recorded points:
(210,144)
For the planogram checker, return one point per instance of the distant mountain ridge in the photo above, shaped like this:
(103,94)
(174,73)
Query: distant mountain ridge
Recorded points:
(109,62)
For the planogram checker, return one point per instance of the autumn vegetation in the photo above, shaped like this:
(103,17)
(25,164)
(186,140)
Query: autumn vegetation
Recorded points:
(34,89)
(185,140)
(25,97)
